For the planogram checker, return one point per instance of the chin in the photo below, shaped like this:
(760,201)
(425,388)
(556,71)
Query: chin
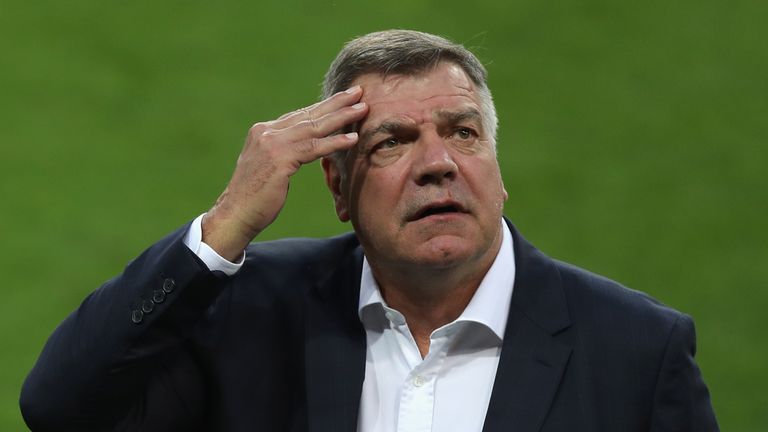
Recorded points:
(443,252)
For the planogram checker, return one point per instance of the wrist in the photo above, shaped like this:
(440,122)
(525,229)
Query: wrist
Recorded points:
(225,235)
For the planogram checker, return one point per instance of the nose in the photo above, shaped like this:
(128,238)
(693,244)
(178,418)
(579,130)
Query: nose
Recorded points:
(434,164)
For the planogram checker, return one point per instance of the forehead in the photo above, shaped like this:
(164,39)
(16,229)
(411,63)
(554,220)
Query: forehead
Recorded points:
(446,86)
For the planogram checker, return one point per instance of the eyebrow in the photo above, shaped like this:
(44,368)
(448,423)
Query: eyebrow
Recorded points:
(450,117)
(389,127)
(453,117)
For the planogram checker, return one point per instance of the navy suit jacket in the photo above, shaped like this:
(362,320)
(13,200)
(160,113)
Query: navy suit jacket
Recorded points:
(279,347)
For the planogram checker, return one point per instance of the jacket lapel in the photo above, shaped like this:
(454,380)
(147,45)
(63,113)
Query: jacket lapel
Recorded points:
(335,349)
(530,368)
(532,359)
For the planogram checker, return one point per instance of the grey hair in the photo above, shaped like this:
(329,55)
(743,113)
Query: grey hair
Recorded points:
(406,52)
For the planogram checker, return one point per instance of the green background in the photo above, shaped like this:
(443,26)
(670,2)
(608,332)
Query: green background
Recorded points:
(632,142)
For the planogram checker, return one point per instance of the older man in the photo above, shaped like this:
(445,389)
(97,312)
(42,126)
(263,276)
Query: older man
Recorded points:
(435,315)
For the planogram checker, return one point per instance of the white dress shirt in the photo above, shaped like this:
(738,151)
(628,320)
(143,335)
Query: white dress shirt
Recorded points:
(450,388)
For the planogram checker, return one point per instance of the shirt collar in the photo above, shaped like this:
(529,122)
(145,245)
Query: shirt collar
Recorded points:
(490,304)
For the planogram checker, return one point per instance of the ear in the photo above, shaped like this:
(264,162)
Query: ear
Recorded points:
(333,181)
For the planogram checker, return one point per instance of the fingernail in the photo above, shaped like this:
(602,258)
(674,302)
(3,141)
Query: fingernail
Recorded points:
(351,136)
(359,105)
(353,89)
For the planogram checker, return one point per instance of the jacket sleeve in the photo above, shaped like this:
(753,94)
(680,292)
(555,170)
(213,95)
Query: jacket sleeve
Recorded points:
(122,359)
(681,399)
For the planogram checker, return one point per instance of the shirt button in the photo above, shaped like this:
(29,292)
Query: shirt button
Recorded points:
(419,381)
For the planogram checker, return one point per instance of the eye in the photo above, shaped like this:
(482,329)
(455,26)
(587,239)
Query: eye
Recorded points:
(388,143)
(464,133)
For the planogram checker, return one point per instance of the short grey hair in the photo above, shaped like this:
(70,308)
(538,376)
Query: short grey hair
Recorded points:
(406,52)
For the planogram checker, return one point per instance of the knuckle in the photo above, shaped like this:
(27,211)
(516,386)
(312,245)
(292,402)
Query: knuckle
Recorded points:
(257,128)
(308,149)
(266,140)
(310,124)
(313,145)
(268,136)
(309,119)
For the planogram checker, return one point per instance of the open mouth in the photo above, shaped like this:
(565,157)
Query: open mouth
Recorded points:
(438,209)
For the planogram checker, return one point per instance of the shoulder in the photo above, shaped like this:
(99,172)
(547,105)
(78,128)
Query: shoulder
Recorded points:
(580,297)
(616,314)
(587,289)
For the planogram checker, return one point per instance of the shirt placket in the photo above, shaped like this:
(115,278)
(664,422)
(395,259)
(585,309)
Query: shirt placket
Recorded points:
(417,395)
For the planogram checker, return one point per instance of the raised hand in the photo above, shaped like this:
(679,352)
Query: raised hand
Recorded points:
(273,152)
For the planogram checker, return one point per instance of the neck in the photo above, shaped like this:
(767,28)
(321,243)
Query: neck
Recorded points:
(429,302)
(431,298)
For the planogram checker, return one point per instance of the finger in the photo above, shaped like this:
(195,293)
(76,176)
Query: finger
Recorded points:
(315,148)
(329,123)
(298,112)
(319,109)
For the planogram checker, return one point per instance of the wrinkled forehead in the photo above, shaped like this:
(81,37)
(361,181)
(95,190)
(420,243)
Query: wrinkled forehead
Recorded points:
(443,87)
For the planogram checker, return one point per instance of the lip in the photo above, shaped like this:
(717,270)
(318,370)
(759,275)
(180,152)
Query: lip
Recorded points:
(438,209)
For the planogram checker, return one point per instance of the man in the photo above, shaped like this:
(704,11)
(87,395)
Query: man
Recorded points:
(434,315)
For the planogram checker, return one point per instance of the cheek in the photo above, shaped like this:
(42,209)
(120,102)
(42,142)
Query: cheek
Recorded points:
(485,179)
(381,193)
